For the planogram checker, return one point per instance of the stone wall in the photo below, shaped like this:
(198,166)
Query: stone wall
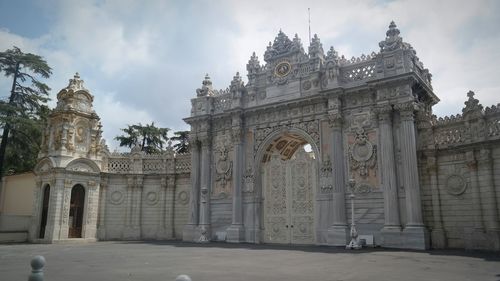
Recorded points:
(459,167)
(147,201)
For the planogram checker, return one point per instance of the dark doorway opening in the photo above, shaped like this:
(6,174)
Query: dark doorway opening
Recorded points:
(76,211)
(45,210)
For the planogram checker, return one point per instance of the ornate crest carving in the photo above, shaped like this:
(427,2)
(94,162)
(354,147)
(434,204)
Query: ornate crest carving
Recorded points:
(325,183)
(362,153)
(223,168)
(248,180)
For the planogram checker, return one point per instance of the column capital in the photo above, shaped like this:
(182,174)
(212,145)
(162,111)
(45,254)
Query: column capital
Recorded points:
(335,119)
(237,135)
(407,110)
(431,162)
(205,140)
(383,112)
(484,156)
(471,161)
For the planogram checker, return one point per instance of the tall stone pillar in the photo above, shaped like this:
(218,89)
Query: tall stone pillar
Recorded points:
(101,227)
(133,212)
(488,198)
(205,184)
(52,230)
(188,233)
(338,232)
(415,233)
(36,214)
(171,210)
(161,233)
(236,232)
(438,235)
(392,222)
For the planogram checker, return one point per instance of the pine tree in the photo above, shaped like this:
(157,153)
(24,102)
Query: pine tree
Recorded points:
(21,113)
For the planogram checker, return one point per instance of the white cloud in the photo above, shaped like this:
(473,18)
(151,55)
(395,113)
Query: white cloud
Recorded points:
(144,60)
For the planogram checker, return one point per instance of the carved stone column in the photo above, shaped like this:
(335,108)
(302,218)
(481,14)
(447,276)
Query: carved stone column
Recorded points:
(161,233)
(170,187)
(416,236)
(388,170)
(438,235)
(338,232)
(488,198)
(235,233)
(205,185)
(476,195)
(101,228)
(133,213)
(194,197)
(52,230)
(36,213)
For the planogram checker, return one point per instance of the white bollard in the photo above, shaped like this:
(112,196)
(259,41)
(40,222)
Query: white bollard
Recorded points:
(37,265)
(183,277)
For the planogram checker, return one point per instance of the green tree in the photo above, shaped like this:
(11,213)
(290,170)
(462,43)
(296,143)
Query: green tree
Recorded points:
(149,138)
(182,141)
(20,114)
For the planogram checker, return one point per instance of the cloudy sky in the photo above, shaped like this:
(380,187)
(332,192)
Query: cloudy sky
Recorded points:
(143,60)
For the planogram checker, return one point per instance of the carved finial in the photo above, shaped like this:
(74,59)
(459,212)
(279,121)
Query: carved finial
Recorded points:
(76,83)
(393,30)
(206,87)
(392,40)
(472,105)
(470,94)
(316,48)
(332,54)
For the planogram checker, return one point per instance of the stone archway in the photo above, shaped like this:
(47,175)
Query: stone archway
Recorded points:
(288,183)
(76,210)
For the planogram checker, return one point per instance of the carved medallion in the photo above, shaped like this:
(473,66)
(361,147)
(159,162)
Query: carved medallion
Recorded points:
(362,153)
(116,197)
(183,197)
(456,185)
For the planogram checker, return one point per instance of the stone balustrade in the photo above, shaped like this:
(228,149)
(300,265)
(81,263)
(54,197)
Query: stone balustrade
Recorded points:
(162,163)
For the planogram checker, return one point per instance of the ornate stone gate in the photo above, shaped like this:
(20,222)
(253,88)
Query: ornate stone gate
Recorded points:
(358,115)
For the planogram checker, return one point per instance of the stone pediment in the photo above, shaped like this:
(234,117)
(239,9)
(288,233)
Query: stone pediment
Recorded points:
(83,165)
(43,166)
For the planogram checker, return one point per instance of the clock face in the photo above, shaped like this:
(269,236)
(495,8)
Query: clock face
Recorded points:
(282,69)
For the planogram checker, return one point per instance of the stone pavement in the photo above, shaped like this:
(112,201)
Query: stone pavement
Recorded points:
(154,261)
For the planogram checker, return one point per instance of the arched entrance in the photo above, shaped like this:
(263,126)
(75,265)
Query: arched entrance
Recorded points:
(289,180)
(45,210)
(76,211)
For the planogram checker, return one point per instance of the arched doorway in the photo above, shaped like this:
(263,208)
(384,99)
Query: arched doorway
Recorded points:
(76,211)
(45,210)
(289,179)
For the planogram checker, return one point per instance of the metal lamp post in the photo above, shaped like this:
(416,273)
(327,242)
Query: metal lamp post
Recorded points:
(354,244)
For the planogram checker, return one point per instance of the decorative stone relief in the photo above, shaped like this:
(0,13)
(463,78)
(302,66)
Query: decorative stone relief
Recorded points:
(91,206)
(66,203)
(183,197)
(80,167)
(455,185)
(363,188)
(116,197)
(223,170)
(310,127)
(248,180)
(325,180)
(152,198)
(362,154)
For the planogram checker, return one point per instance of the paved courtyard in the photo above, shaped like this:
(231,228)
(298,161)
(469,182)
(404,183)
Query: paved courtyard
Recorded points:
(222,262)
